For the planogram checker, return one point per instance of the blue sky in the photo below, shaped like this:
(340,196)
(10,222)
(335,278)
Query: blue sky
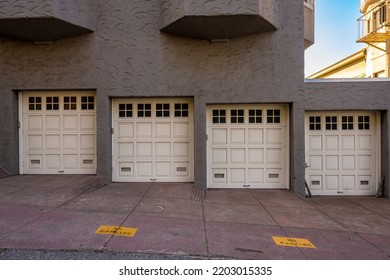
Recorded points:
(336,31)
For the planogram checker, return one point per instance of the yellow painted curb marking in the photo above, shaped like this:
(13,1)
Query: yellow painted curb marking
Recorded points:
(120,231)
(293,242)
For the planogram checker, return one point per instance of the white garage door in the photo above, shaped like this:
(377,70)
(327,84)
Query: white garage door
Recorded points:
(58,133)
(247,146)
(153,140)
(342,152)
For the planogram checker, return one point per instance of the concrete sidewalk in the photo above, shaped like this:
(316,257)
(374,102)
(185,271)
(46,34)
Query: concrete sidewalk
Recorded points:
(63,213)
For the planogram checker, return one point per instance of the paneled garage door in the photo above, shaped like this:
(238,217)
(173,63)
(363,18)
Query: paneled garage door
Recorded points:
(342,151)
(58,133)
(153,140)
(247,146)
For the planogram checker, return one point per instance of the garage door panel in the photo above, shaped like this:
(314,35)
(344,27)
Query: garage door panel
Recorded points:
(144,130)
(35,142)
(67,131)
(331,143)
(237,136)
(237,155)
(70,123)
(315,143)
(144,149)
(255,156)
(71,141)
(247,146)
(163,130)
(125,130)
(156,139)
(53,123)
(181,130)
(255,136)
(163,150)
(350,154)
(34,123)
(219,136)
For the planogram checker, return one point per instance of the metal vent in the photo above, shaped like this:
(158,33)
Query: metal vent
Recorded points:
(87,161)
(364,183)
(35,161)
(181,169)
(273,176)
(126,169)
(219,176)
(315,183)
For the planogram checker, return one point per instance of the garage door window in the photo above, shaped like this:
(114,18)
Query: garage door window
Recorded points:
(70,103)
(88,103)
(331,122)
(219,116)
(52,103)
(347,122)
(181,110)
(237,116)
(364,122)
(144,110)
(162,110)
(273,116)
(34,103)
(125,110)
(315,123)
(255,116)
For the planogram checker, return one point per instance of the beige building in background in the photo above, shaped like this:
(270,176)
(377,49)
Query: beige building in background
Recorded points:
(373,60)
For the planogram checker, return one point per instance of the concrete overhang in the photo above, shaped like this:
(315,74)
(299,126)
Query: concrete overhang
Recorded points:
(202,19)
(46,20)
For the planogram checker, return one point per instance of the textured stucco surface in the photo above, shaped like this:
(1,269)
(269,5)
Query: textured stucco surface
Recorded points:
(128,56)
(47,19)
(218,18)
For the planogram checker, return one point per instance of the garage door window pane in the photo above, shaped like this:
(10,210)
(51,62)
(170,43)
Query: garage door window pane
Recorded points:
(347,122)
(162,110)
(144,110)
(315,123)
(181,110)
(87,103)
(364,122)
(237,116)
(125,110)
(52,103)
(331,122)
(255,116)
(273,116)
(219,116)
(70,103)
(35,103)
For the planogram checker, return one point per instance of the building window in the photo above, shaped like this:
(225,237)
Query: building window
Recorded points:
(35,103)
(219,116)
(52,103)
(70,103)
(125,110)
(144,110)
(331,123)
(181,110)
(273,116)
(237,116)
(347,122)
(162,110)
(315,123)
(364,122)
(255,116)
(87,103)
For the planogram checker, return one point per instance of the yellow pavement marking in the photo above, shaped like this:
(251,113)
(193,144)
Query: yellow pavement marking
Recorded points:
(120,231)
(293,242)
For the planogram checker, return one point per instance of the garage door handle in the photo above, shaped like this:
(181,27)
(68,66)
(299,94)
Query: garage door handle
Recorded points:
(306,165)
